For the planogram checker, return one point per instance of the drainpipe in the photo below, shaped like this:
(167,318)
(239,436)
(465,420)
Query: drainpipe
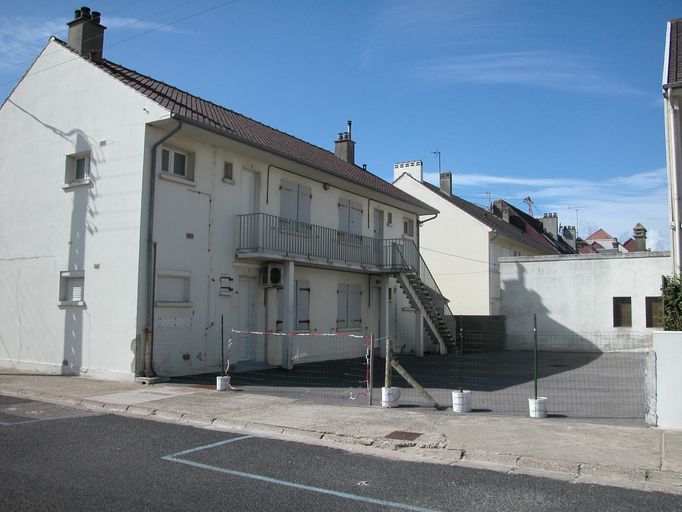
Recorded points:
(151,266)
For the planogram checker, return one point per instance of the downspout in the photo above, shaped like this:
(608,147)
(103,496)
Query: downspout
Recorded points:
(151,270)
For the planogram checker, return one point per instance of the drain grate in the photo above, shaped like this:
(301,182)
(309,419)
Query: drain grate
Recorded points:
(403,436)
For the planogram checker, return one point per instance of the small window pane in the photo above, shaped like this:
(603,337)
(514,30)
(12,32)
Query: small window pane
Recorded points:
(654,311)
(622,312)
(165,160)
(228,174)
(81,169)
(179,164)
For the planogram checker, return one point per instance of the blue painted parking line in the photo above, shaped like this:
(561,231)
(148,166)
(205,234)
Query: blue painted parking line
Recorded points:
(253,476)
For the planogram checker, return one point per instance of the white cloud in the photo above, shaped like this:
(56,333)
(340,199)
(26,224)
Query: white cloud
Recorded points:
(615,204)
(534,68)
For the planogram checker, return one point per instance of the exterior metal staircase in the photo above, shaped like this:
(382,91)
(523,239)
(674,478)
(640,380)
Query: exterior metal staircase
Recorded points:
(423,293)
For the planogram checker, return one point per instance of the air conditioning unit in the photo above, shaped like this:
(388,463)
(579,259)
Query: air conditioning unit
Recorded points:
(272,275)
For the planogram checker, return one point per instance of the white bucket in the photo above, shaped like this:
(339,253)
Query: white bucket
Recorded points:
(390,397)
(222,383)
(538,407)
(461,401)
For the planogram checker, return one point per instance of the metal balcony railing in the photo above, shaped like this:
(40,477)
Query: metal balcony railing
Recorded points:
(264,233)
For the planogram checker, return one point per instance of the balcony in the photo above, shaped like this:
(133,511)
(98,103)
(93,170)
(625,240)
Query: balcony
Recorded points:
(263,236)
(267,237)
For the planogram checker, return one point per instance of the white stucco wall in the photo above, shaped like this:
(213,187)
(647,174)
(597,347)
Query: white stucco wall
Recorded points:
(208,210)
(572,296)
(64,105)
(668,349)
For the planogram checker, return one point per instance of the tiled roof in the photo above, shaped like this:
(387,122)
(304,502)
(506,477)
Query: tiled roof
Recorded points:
(600,234)
(630,245)
(674,53)
(231,124)
(503,228)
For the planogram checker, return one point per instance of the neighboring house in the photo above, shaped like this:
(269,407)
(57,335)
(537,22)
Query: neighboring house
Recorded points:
(602,242)
(462,244)
(672,94)
(136,217)
(585,301)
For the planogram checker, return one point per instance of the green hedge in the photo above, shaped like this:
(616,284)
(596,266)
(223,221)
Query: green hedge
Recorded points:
(672,303)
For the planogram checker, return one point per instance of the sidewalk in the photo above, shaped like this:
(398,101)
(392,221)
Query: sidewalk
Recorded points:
(635,457)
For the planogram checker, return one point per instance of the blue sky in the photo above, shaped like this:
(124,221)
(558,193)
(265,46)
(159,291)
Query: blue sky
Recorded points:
(559,101)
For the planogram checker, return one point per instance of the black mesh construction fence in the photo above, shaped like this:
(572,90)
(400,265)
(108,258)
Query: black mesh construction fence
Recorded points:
(588,375)
(592,375)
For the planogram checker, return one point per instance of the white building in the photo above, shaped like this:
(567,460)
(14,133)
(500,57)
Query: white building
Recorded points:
(462,244)
(137,216)
(672,94)
(585,301)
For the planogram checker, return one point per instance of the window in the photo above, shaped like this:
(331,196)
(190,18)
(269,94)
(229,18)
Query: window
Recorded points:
(71,284)
(301,310)
(389,219)
(228,172)
(349,306)
(350,218)
(178,163)
(77,169)
(294,206)
(622,312)
(654,311)
(408,227)
(172,288)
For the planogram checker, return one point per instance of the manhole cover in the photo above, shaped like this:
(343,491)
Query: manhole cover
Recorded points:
(403,436)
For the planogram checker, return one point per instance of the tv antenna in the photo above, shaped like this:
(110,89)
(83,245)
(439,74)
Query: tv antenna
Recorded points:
(437,153)
(577,209)
(528,201)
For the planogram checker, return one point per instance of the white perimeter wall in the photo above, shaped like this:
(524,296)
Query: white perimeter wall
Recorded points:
(573,296)
(62,106)
(668,349)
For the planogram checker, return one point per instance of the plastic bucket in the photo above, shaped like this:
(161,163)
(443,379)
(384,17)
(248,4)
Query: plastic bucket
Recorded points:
(538,407)
(390,397)
(461,401)
(222,383)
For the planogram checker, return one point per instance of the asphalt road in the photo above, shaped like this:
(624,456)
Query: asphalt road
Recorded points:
(54,457)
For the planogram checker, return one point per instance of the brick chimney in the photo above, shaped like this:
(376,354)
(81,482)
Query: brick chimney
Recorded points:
(86,34)
(446,182)
(640,237)
(345,147)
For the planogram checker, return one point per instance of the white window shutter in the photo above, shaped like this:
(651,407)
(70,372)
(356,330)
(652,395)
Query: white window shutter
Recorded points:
(355,305)
(304,197)
(302,305)
(342,306)
(343,214)
(355,218)
(288,200)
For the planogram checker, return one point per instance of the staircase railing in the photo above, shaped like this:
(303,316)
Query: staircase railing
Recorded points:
(412,260)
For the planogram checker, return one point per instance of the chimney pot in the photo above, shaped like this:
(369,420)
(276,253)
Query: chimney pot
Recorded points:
(86,34)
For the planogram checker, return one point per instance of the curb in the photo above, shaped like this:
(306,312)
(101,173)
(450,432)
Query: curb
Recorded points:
(435,448)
